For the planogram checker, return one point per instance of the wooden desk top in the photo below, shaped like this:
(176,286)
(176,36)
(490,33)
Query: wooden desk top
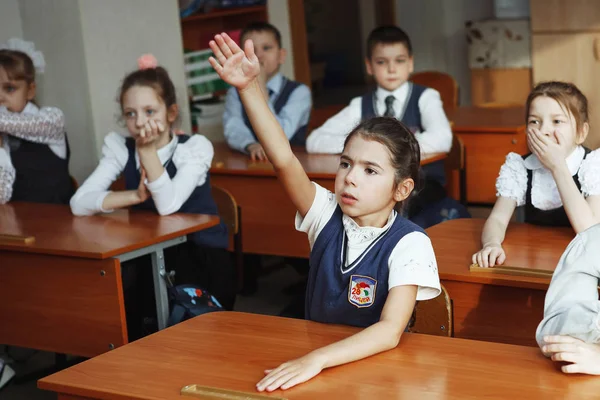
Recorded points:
(488,120)
(58,232)
(530,246)
(230,350)
(317,166)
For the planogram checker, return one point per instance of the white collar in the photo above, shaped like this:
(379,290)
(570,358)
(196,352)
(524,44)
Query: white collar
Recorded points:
(400,93)
(275,83)
(360,234)
(573,161)
(30,108)
(165,153)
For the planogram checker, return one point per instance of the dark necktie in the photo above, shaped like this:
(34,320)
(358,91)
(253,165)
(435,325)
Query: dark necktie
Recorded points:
(389,106)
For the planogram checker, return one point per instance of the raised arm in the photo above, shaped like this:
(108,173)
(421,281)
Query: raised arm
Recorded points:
(47,126)
(240,68)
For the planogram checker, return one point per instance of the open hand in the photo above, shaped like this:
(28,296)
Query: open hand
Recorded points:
(291,373)
(150,133)
(492,254)
(583,358)
(234,66)
(551,153)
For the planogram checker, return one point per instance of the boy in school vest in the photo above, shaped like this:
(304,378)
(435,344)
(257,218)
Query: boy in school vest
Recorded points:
(290,101)
(390,62)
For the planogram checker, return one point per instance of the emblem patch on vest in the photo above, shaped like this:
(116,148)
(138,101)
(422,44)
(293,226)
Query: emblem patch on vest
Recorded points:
(361,292)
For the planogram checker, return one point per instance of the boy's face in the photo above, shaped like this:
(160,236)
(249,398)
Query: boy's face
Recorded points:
(269,54)
(390,65)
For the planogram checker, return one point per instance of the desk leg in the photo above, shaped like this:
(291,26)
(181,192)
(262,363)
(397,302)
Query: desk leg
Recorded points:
(160,288)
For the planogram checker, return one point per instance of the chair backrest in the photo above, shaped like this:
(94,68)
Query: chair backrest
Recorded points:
(74,182)
(434,317)
(228,208)
(443,83)
(318,116)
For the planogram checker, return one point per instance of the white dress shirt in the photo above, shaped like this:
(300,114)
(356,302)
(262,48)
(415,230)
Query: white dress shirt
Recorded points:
(512,180)
(192,159)
(294,114)
(435,138)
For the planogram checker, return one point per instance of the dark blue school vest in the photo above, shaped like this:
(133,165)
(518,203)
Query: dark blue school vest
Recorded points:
(287,87)
(199,202)
(352,295)
(40,175)
(555,217)
(411,117)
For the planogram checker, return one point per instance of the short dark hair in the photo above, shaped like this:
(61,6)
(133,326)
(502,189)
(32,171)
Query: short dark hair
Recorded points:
(389,34)
(261,27)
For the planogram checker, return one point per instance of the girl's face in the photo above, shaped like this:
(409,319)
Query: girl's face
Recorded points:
(547,115)
(140,105)
(365,182)
(14,94)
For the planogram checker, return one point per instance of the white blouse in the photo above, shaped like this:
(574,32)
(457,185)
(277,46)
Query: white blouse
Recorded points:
(412,262)
(192,159)
(45,126)
(512,181)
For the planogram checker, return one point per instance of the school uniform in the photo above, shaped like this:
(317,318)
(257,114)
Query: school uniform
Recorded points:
(525,180)
(571,306)
(34,157)
(184,187)
(289,101)
(352,268)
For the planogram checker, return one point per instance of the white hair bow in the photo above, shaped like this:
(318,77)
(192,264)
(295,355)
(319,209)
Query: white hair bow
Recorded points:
(28,48)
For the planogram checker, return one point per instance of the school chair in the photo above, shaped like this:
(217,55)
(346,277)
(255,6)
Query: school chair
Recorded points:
(455,163)
(74,182)
(434,317)
(443,83)
(231,215)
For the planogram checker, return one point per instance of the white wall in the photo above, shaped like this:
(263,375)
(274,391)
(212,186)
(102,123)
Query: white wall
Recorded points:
(89,47)
(10,20)
(116,33)
(437,32)
(55,28)
(278,15)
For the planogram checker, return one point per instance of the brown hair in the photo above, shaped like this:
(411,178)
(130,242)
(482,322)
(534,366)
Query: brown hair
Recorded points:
(399,140)
(156,78)
(18,65)
(567,95)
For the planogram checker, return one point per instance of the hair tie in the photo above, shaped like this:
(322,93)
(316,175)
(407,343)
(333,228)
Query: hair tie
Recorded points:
(147,61)
(37,58)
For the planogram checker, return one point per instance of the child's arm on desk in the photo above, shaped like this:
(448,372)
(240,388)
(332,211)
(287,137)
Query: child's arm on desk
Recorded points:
(381,336)
(582,213)
(47,126)
(94,196)
(491,252)
(240,69)
(583,358)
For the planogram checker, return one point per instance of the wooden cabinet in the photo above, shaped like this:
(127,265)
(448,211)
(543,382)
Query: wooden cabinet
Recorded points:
(566,47)
(564,15)
(198,29)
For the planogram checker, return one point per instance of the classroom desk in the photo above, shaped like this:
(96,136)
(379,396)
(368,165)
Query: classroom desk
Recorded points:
(63,293)
(230,351)
(495,307)
(488,134)
(267,212)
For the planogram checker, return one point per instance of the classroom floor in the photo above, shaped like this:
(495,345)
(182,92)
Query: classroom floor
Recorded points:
(274,293)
